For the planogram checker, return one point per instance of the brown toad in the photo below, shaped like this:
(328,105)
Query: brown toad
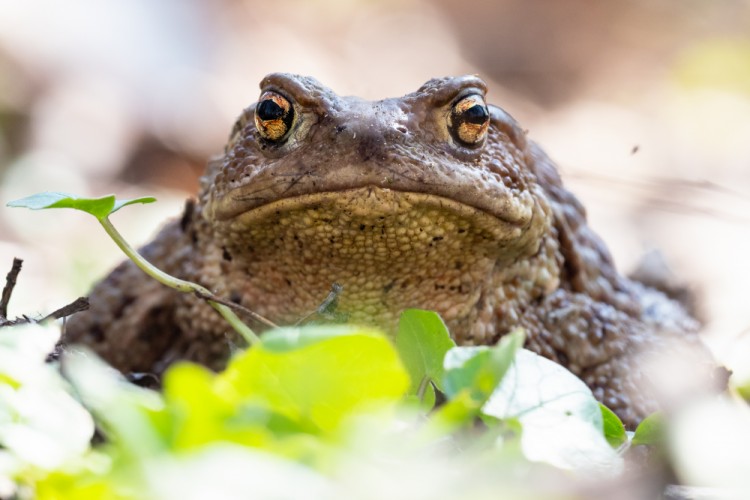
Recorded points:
(435,200)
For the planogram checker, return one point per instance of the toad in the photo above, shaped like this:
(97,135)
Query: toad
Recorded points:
(436,200)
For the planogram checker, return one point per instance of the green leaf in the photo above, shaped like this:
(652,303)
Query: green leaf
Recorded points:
(614,431)
(318,379)
(650,431)
(426,400)
(98,207)
(197,409)
(536,386)
(422,341)
(203,411)
(126,413)
(561,419)
(471,375)
(228,471)
(41,424)
(287,339)
(132,201)
(479,369)
(458,412)
(87,484)
(744,390)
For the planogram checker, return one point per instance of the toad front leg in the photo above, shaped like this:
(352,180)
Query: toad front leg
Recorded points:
(611,350)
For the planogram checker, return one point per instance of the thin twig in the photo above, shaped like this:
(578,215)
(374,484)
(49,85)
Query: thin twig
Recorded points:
(10,283)
(329,304)
(18,321)
(80,304)
(327,308)
(237,307)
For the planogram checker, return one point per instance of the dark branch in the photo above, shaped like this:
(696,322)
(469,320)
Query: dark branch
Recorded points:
(80,304)
(10,283)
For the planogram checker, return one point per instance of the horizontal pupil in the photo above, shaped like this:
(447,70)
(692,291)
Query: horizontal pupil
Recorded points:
(269,110)
(476,114)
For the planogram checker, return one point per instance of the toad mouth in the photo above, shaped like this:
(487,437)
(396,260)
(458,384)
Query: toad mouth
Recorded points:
(370,205)
(365,201)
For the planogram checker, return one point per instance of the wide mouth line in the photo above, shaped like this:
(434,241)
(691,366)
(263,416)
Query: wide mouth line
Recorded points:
(246,205)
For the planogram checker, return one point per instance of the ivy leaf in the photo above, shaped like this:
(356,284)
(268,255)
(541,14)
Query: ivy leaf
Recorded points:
(471,376)
(561,419)
(98,207)
(422,342)
(202,412)
(318,378)
(287,339)
(479,370)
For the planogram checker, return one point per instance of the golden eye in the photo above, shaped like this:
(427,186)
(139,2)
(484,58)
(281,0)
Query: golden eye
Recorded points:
(469,120)
(274,116)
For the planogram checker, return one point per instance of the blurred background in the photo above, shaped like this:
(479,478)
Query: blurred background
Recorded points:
(645,105)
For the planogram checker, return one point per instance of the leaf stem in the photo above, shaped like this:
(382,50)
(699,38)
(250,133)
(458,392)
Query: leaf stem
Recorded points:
(176,283)
(423,387)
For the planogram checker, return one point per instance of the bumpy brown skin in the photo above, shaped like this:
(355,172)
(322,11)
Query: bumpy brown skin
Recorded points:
(382,198)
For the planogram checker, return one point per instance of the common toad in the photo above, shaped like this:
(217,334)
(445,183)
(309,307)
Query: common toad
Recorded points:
(434,200)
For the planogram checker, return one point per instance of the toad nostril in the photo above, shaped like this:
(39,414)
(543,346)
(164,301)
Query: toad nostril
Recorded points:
(401,129)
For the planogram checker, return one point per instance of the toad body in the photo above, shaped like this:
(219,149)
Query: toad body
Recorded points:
(435,200)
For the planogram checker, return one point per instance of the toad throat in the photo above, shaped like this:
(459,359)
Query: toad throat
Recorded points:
(390,250)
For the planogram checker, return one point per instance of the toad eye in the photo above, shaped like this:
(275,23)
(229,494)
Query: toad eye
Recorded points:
(274,116)
(469,120)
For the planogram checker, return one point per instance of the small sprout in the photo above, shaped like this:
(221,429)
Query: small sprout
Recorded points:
(422,341)
(102,208)
(614,431)
(650,431)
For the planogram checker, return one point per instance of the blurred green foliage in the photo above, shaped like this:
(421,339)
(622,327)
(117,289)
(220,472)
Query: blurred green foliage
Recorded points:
(718,64)
(301,406)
